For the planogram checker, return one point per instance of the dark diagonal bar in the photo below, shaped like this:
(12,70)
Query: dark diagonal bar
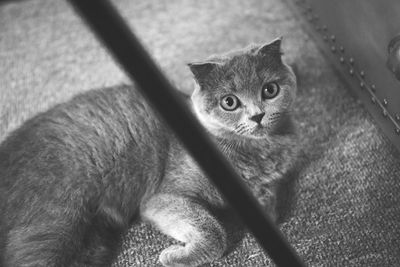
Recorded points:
(110,28)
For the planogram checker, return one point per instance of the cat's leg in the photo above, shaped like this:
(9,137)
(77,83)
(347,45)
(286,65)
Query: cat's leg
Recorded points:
(64,241)
(101,242)
(42,243)
(182,218)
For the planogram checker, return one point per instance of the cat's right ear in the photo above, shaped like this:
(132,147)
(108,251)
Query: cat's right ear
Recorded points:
(272,49)
(201,70)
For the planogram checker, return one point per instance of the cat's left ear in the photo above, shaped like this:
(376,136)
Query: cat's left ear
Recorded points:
(271,49)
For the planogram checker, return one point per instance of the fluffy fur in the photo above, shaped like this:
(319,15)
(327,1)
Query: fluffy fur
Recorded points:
(72,179)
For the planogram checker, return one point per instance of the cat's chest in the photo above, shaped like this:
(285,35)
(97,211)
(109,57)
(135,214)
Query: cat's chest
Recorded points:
(261,163)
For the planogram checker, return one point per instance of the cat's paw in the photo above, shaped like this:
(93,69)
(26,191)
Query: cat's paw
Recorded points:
(169,257)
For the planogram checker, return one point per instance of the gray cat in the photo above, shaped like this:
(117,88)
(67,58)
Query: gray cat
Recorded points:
(72,179)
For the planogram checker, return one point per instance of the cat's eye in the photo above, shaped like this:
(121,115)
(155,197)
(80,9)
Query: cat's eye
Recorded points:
(270,90)
(230,102)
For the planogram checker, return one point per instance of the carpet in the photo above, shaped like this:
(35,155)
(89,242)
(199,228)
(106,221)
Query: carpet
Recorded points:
(345,202)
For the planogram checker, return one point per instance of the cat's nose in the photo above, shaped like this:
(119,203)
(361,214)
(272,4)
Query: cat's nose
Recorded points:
(257,118)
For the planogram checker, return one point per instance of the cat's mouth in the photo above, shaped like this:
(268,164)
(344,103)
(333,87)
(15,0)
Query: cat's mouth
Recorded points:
(253,131)
(258,131)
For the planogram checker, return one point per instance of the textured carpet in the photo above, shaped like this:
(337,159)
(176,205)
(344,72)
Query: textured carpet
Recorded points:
(345,205)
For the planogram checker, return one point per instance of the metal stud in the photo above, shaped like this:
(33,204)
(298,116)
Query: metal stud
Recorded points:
(333,38)
(351,60)
(373,87)
(341,59)
(385,102)
(333,48)
(373,100)
(362,73)
(398,131)
(341,49)
(362,85)
(397,117)
(385,113)
(324,28)
(351,71)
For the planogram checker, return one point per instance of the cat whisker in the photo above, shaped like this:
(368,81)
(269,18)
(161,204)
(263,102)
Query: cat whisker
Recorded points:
(240,128)
(274,119)
(277,115)
(243,130)
(280,113)
(285,112)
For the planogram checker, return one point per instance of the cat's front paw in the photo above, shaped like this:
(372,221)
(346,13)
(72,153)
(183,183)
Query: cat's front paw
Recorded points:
(170,256)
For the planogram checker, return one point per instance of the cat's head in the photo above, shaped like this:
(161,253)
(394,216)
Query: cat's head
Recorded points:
(245,93)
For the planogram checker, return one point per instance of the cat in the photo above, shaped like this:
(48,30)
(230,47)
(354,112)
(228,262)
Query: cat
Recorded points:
(73,179)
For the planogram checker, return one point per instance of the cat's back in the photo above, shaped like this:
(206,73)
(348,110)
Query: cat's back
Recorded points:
(75,143)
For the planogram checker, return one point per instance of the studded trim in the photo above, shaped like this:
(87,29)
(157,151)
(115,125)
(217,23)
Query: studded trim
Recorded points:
(345,61)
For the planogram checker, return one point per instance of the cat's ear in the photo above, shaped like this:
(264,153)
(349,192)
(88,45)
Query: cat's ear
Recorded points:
(271,49)
(200,70)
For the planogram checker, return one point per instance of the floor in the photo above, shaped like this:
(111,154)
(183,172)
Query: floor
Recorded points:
(344,202)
